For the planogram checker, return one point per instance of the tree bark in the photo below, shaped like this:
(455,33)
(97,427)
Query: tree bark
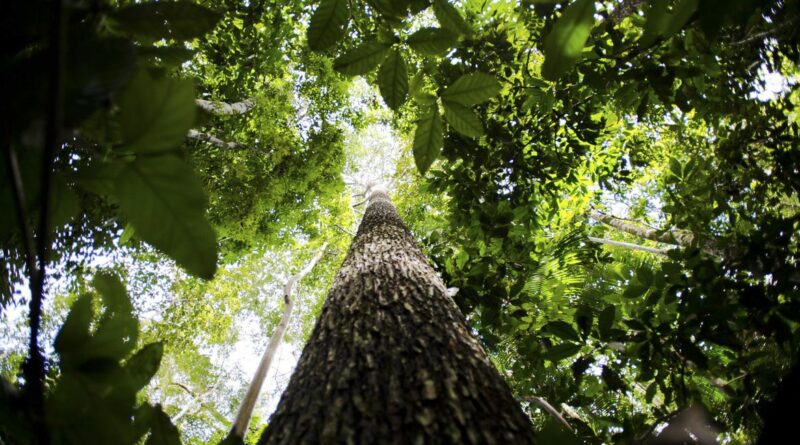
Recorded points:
(674,237)
(224,108)
(391,359)
(213,140)
(625,245)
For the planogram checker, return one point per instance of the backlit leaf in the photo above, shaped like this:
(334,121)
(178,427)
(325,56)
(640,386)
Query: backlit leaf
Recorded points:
(564,45)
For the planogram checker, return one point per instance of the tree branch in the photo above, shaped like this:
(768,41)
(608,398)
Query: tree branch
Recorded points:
(542,403)
(213,140)
(625,245)
(224,108)
(248,404)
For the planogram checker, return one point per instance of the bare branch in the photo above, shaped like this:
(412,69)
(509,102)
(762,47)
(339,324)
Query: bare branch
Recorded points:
(213,140)
(224,108)
(625,245)
(542,403)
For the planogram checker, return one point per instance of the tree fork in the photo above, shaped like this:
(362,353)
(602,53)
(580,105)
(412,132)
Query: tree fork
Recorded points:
(391,358)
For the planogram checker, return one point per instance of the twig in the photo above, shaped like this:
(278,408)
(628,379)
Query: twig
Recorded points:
(542,403)
(625,245)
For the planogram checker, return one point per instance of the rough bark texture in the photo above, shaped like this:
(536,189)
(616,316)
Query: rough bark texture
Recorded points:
(224,108)
(391,359)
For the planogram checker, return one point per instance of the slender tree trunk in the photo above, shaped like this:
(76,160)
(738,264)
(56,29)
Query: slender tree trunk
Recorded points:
(391,359)
(246,410)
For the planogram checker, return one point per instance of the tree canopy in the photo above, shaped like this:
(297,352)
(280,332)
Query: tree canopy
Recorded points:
(609,188)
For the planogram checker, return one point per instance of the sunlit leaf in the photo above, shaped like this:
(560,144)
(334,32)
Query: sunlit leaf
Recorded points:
(428,138)
(163,200)
(432,41)
(362,59)
(472,89)
(462,119)
(564,45)
(156,112)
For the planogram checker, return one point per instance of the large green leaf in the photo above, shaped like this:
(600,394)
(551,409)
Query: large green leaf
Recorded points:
(449,18)
(144,364)
(179,20)
(393,80)
(155,113)
(472,89)
(432,41)
(75,330)
(328,24)
(564,45)
(162,431)
(118,329)
(462,119)
(362,59)
(428,138)
(163,200)
(561,329)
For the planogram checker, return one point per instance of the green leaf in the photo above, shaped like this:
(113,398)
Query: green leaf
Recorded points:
(462,119)
(144,364)
(634,290)
(75,331)
(362,59)
(127,234)
(432,41)
(564,45)
(605,320)
(112,290)
(661,23)
(163,200)
(162,431)
(179,20)
(540,101)
(612,379)
(393,80)
(155,113)
(118,329)
(328,24)
(428,138)
(561,329)
(472,89)
(449,18)
(562,351)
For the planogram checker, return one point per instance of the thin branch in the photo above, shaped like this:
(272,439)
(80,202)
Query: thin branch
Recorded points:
(224,108)
(542,403)
(631,246)
(344,230)
(248,404)
(22,211)
(213,140)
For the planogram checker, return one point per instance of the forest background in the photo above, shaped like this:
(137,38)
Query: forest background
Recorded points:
(609,188)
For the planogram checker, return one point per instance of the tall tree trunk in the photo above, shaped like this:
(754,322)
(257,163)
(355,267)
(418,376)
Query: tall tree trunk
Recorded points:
(391,359)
